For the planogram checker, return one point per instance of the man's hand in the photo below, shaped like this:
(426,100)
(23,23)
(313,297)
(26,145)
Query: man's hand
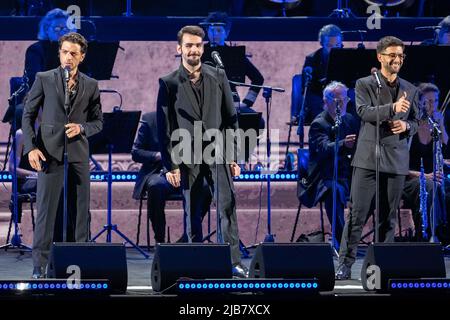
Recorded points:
(349,140)
(174,177)
(72,130)
(397,126)
(235,169)
(34,157)
(402,105)
(439,176)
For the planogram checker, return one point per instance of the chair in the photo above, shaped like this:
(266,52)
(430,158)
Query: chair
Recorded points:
(21,198)
(302,164)
(171,197)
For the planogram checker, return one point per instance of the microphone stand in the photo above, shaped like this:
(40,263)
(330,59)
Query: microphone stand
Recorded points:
(336,127)
(437,162)
(66,163)
(16,241)
(267,94)
(377,165)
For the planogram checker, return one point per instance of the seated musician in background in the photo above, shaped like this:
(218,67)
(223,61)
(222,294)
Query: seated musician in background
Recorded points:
(146,151)
(39,56)
(218,28)
(26,175)
(315,68)
(422,148)
(322,139)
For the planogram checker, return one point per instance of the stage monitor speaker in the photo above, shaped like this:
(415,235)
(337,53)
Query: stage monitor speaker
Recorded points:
(401,261)
(294,261)
(95,261)
(197,261)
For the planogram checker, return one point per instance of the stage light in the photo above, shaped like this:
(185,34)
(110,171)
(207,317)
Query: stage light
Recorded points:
(248,285)
(52,286)
(412,285)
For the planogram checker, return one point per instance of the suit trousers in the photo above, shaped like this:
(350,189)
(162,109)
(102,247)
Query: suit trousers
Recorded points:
(49,193)
(223,190)
(361,203)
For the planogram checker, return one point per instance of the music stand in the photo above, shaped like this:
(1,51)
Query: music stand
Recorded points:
(435,69)
(233,58)
(99,60)
(361,60)
(112,140)
(246,122)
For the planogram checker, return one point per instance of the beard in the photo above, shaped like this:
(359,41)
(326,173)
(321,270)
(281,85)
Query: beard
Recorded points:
(193,61)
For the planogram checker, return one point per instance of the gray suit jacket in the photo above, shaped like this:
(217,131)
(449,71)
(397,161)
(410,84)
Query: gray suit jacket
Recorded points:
(394,154)
(47,93)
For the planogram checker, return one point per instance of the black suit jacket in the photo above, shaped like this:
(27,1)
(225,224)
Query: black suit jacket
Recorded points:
(394,154)
(177,108)
(47,93)
(145,150)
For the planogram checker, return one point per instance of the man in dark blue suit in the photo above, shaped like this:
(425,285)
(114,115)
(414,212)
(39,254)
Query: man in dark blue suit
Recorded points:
(151,180)
(399,117)
(45,148)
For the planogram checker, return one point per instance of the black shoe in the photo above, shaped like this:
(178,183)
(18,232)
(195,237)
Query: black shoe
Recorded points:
(343,272)
(38,273)
(240,271)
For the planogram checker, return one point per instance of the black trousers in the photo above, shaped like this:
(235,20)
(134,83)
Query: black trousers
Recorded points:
(223,190)
(362,195)
(158,189)
(49,195)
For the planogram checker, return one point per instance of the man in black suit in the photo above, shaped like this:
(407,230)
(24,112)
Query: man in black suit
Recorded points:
(146,151)
(398,115)
(322,143)
(195,104)
(315,67)
(45,148)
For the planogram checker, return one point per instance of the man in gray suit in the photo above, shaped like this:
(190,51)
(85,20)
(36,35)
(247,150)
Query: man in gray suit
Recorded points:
(196,98)
(398,115)
(45,148)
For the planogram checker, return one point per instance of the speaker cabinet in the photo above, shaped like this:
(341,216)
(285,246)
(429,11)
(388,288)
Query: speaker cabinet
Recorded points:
(95,261)
(401,261)
(197,261)
(294,261)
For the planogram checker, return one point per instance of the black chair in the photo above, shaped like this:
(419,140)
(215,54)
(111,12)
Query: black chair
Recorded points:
(302,163)
(21,198)
(171,197)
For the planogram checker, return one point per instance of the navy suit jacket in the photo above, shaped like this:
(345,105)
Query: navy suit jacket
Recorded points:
(145,150)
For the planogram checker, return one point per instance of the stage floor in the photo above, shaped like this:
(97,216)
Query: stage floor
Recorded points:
(16,266)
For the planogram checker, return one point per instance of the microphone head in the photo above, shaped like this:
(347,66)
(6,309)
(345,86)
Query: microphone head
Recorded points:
(373,70)
(214,54)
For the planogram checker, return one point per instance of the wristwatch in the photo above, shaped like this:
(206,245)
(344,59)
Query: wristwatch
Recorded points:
(408,126)
(81,128)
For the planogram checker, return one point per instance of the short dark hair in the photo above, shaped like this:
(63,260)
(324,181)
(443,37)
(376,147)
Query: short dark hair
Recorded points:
(74,37)
(426,87)
(329,30)
(387,42)
(193,30)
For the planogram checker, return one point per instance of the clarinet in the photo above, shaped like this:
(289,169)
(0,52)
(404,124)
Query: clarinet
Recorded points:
(423,201)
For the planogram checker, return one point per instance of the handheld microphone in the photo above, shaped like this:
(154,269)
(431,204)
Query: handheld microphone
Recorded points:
(66,73)
(216,57)
(377,78)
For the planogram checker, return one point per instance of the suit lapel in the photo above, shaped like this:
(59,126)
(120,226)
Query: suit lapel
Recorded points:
(80,93)
(59,85)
